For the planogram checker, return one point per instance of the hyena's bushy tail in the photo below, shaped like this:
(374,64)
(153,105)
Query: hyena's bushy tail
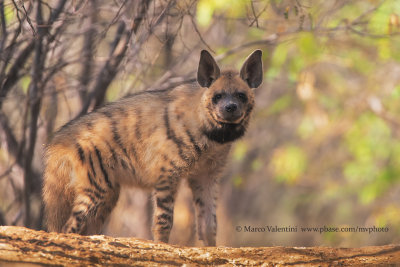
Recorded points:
(57,194)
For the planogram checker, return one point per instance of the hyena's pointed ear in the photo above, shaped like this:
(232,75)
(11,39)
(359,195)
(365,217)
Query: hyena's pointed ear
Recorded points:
(252,69)
(208,70)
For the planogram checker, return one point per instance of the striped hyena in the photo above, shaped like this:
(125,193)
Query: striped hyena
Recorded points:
(152,140)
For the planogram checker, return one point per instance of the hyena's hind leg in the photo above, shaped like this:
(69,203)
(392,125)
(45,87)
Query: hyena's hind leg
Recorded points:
(204,191)
(164,199)
(91,208)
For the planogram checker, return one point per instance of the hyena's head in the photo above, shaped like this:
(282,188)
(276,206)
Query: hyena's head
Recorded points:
(229,98)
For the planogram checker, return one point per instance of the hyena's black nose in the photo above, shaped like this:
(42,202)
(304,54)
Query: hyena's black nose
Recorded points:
(231,107)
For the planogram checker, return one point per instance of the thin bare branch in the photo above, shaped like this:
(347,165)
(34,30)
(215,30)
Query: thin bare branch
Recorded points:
(199,34)
(7,172)
(35,92)
(4,32)
(12,75)
(254,14)
(28,19)
(109,70)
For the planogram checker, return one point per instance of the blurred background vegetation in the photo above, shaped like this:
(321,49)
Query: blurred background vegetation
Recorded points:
(323,148)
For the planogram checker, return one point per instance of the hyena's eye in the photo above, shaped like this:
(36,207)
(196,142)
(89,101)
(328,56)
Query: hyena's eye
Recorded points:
(216,98)
(242,97)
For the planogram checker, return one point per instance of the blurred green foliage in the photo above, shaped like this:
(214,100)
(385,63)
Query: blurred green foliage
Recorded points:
(207,8)
(289,163)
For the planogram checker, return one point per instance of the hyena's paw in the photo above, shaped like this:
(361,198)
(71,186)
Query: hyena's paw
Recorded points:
(75,224)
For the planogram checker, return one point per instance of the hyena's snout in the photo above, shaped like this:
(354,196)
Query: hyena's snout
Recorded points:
(230,110)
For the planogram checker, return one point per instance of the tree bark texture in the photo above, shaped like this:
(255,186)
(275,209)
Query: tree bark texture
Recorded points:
(20,246)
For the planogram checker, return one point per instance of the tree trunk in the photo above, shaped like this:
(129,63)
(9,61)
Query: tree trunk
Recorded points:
(37,248)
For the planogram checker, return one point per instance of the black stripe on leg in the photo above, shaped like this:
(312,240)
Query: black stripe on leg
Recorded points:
(172,136)
(164,218)
(133,150)
(93,193)
(117,137)
(92,165)
(81,203)
(95,184)
(162,182)
(91,196)
(114,155)
(79,219)
(124,164)
(103,170)
(199,202)
(78,213)
(174,167)
(80,152)
(161,222)
(163,188)
(161,203)
(194,143)
(166,227)
(138,125)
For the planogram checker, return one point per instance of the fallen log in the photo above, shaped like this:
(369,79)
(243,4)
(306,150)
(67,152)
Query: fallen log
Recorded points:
(20,245)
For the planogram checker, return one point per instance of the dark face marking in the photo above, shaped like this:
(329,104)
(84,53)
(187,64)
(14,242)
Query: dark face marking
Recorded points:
(229,106)
(225,132)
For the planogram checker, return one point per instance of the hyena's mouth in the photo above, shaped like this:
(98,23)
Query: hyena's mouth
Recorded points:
(220,120)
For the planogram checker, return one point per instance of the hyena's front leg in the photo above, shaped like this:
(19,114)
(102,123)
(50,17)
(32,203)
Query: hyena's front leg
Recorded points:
(205,195)
(164,199)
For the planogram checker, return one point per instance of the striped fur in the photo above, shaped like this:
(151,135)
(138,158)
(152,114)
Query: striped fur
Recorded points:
(152,140)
